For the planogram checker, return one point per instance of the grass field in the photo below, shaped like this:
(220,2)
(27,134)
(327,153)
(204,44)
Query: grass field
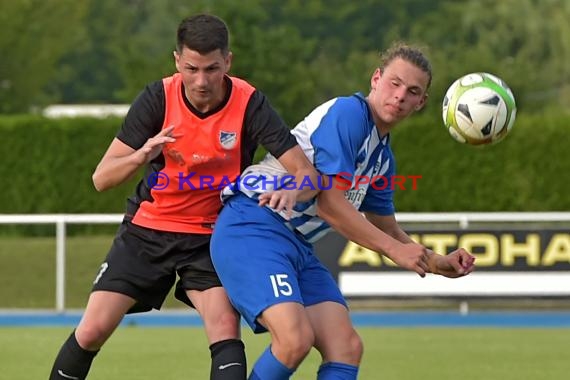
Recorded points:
(27,281)
(27,270)
(390,354)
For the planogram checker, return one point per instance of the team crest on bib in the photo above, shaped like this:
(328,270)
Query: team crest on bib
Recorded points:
(228,139)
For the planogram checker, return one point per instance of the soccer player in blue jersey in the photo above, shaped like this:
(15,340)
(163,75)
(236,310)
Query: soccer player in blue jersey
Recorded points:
(265,258)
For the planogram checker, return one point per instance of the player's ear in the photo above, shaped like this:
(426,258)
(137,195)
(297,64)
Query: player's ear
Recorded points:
(176,60)
(228,61)
(375,78)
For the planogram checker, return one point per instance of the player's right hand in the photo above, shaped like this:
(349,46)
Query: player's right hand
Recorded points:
(282,200)
(153,146)
(412,256)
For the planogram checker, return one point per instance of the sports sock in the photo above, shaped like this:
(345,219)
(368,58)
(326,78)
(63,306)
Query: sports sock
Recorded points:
(72,361)
(228,360)
(268,367)
(337,371)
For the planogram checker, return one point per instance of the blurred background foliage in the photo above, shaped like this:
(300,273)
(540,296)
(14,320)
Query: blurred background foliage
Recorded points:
(298,52)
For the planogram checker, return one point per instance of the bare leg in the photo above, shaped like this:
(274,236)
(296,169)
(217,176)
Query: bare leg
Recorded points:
(103,313)
(221,322)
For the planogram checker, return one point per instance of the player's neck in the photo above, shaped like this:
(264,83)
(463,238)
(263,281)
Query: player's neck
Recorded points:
(382,127)
(383,130)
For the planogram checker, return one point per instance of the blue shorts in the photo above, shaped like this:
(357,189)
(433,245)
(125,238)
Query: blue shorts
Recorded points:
(261,262)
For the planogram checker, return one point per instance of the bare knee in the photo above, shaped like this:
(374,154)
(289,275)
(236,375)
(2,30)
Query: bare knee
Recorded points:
(103,313)
(293,347)
(355,348)
(343,348)
(223,325)
(221,321)
(92,336)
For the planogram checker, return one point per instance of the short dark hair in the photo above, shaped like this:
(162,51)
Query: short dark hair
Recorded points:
(203,33)
(408,53)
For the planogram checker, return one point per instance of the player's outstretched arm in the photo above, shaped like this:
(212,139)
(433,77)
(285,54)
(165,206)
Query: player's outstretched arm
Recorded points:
(120,161)
(389,225)
(341,215)
(456,264)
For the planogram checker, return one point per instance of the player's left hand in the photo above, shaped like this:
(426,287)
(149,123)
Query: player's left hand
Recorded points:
(456,264)
(280,200)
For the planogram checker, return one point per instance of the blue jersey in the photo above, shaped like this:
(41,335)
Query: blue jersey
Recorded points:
(340,138)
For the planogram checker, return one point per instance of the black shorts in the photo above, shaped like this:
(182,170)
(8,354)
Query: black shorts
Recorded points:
(142,263)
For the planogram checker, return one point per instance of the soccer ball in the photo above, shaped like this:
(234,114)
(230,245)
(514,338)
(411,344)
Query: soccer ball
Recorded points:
(479,109)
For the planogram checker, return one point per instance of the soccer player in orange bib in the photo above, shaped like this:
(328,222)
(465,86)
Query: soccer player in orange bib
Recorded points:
(194,132)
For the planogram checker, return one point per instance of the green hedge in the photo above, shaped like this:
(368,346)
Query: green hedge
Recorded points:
(48,166)
(528,171)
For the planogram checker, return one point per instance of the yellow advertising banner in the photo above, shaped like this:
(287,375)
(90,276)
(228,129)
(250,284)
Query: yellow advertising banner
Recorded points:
(525,262)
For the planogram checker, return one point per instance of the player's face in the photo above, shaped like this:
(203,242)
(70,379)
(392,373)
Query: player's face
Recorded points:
(397,92)
(203,77)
